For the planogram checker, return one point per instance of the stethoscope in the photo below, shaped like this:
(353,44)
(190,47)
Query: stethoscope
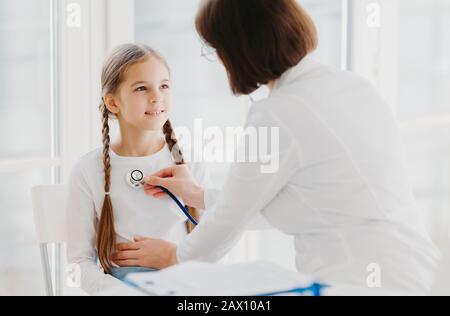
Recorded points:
(135,179)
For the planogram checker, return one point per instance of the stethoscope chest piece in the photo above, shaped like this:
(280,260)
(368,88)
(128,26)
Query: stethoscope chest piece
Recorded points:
(135,179)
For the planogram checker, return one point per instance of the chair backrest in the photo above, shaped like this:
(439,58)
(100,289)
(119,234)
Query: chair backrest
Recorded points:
(49,207)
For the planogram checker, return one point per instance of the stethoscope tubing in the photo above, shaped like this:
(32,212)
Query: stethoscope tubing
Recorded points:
(180,205)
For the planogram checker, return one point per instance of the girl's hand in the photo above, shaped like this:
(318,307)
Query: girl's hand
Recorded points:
(178,180)
(147,253)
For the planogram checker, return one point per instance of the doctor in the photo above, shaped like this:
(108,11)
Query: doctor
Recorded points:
(341,189)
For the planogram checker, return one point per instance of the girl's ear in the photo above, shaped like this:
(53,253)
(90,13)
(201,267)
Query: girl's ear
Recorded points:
(111,104)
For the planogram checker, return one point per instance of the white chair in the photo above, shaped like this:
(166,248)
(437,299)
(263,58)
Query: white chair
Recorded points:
(49,206)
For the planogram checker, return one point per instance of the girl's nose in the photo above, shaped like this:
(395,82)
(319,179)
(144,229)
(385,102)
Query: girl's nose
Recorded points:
(155,98)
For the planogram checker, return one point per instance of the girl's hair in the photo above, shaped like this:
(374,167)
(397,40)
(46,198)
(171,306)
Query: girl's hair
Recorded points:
(257,40)
(112,75)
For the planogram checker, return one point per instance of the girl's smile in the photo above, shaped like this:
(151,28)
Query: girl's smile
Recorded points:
(155,113)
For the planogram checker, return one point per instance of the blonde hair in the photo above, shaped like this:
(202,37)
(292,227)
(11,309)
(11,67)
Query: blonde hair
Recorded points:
(112,75)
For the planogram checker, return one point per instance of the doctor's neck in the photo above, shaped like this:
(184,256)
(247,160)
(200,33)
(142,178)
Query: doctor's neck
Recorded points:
(271,85)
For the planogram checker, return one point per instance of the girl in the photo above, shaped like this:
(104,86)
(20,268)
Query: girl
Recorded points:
(103,209)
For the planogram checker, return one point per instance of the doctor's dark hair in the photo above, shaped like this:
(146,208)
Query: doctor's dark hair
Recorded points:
(113,72)
(256,40)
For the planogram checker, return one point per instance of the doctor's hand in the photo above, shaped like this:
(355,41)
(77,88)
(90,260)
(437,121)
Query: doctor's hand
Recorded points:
(146,253)
(178,180)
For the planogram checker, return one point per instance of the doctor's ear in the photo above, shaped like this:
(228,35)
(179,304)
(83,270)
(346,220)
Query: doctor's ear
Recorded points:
(111,104)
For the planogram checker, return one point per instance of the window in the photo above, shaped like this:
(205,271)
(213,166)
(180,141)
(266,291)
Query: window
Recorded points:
(406,55)
(25,64)
(423,105)
(26,127)
(424,63)
(330,18)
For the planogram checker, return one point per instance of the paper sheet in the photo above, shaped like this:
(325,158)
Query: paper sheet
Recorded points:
(202,279)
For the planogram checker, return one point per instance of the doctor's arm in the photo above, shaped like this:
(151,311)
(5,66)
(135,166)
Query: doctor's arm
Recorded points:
(249,188)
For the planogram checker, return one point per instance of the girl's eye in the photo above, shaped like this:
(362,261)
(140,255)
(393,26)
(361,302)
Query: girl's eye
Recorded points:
(141,89)
(165,86)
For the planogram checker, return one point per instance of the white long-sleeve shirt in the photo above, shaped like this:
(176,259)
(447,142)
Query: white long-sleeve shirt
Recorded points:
(135,213)
(341,189)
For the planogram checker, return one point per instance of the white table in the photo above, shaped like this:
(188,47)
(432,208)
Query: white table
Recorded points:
(336,290)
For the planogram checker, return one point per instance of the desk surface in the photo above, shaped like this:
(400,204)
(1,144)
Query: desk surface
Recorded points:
(336,290)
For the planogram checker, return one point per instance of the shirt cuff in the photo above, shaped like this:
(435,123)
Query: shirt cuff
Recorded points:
(178,253)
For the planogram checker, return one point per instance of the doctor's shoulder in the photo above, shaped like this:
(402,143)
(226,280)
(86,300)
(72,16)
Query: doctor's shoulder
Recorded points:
(272,112)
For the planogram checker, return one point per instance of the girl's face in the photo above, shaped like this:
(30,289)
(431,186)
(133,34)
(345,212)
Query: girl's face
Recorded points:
(143,100)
